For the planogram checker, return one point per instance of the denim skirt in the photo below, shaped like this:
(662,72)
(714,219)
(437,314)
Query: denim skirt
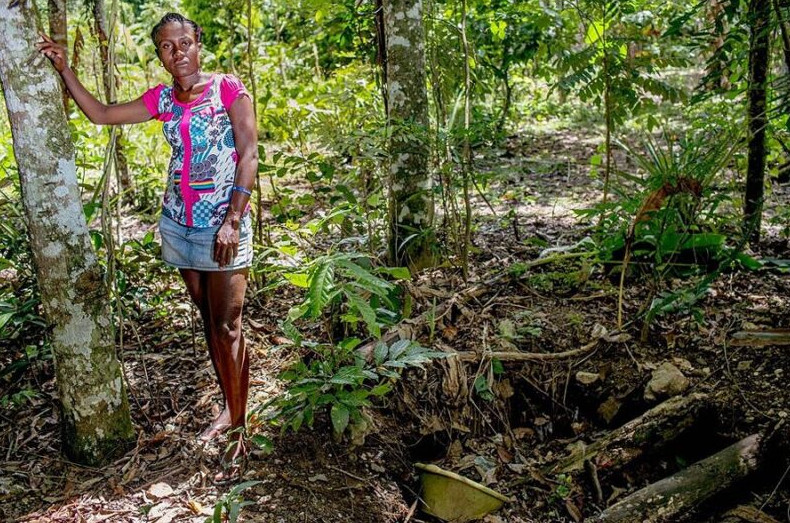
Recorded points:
(193,247)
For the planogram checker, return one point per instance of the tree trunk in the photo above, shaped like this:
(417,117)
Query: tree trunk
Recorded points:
(95,411)
(759,18)
(58,32)
(785,32)
(466,162)
(411,200)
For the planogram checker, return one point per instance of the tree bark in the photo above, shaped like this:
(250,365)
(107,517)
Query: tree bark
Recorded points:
(411,208)
(785,32)
(671,498)
(58,32)
(95,412)
(759,46)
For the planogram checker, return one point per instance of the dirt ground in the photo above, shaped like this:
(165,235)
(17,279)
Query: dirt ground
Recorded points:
(503,425)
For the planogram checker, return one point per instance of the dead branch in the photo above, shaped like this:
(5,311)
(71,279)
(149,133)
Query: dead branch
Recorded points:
(761,338)
(747,514)
(528,356)
(671,498)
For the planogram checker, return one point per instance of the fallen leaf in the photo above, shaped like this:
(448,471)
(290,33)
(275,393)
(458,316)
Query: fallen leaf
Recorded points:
(159,491)
(318,477)
(523,432)
(449,333)
(194,506)
(504,455)
(258,326)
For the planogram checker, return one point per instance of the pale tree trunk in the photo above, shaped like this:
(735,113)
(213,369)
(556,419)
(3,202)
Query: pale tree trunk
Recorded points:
(95,411)
(759,55)
(411,240)
(108,79)
(57,31)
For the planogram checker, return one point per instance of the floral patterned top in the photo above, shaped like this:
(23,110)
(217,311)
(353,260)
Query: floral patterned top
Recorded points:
(203,165)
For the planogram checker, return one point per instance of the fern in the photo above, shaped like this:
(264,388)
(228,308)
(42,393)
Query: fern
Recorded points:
(320,292)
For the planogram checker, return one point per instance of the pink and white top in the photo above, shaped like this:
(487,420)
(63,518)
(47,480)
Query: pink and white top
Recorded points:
(203,165)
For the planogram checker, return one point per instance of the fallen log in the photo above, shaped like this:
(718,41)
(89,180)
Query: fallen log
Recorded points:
(654,428)
(669,499)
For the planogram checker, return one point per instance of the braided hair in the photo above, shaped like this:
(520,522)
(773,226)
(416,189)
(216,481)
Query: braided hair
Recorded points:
(180,19)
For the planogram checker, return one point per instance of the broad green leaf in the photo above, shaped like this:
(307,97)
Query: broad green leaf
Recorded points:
(298,279)
(748,262)
(349,344)
(704,240)
(498,28)
(340,415)
(398,348)
(296,421)
(595,32)
(263,443)
(291,332)
(367,312)
(309,416)
(380,352)
(238,489)
(354,398)
(297,312)
(325,399)
(399,273)
(4,319)
(349,375)
(218,513)
(381,389)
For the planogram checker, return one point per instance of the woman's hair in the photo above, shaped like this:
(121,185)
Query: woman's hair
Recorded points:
(175,17)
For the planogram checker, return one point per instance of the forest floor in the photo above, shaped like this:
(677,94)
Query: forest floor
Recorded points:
(507,426)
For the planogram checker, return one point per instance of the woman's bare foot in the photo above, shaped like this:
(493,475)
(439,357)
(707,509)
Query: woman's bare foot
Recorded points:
(234,459)
(219,426)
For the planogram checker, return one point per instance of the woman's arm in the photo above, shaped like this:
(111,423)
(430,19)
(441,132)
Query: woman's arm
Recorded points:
(245,134)
(97,112)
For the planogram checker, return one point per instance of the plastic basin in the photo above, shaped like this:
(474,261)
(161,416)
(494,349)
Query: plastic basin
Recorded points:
(455,498)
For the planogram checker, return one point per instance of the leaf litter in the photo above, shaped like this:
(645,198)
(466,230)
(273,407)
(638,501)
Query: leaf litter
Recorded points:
(499,422)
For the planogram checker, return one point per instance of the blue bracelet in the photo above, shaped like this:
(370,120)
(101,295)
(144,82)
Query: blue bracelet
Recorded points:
(241,189)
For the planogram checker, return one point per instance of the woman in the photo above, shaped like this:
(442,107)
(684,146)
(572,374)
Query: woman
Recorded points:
(205,225)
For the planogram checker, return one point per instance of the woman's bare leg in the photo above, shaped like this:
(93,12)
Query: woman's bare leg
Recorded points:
(196,286)
(225,298)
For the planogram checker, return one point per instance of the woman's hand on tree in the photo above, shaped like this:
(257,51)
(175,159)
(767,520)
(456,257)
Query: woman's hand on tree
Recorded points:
(55,52)
(226,246)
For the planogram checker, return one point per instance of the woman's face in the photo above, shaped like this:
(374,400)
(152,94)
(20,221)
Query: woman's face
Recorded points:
(178,49)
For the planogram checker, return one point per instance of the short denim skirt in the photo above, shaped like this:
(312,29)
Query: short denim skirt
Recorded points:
(193,247)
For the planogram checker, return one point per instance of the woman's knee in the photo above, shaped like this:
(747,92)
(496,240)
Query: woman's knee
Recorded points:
(226,332)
